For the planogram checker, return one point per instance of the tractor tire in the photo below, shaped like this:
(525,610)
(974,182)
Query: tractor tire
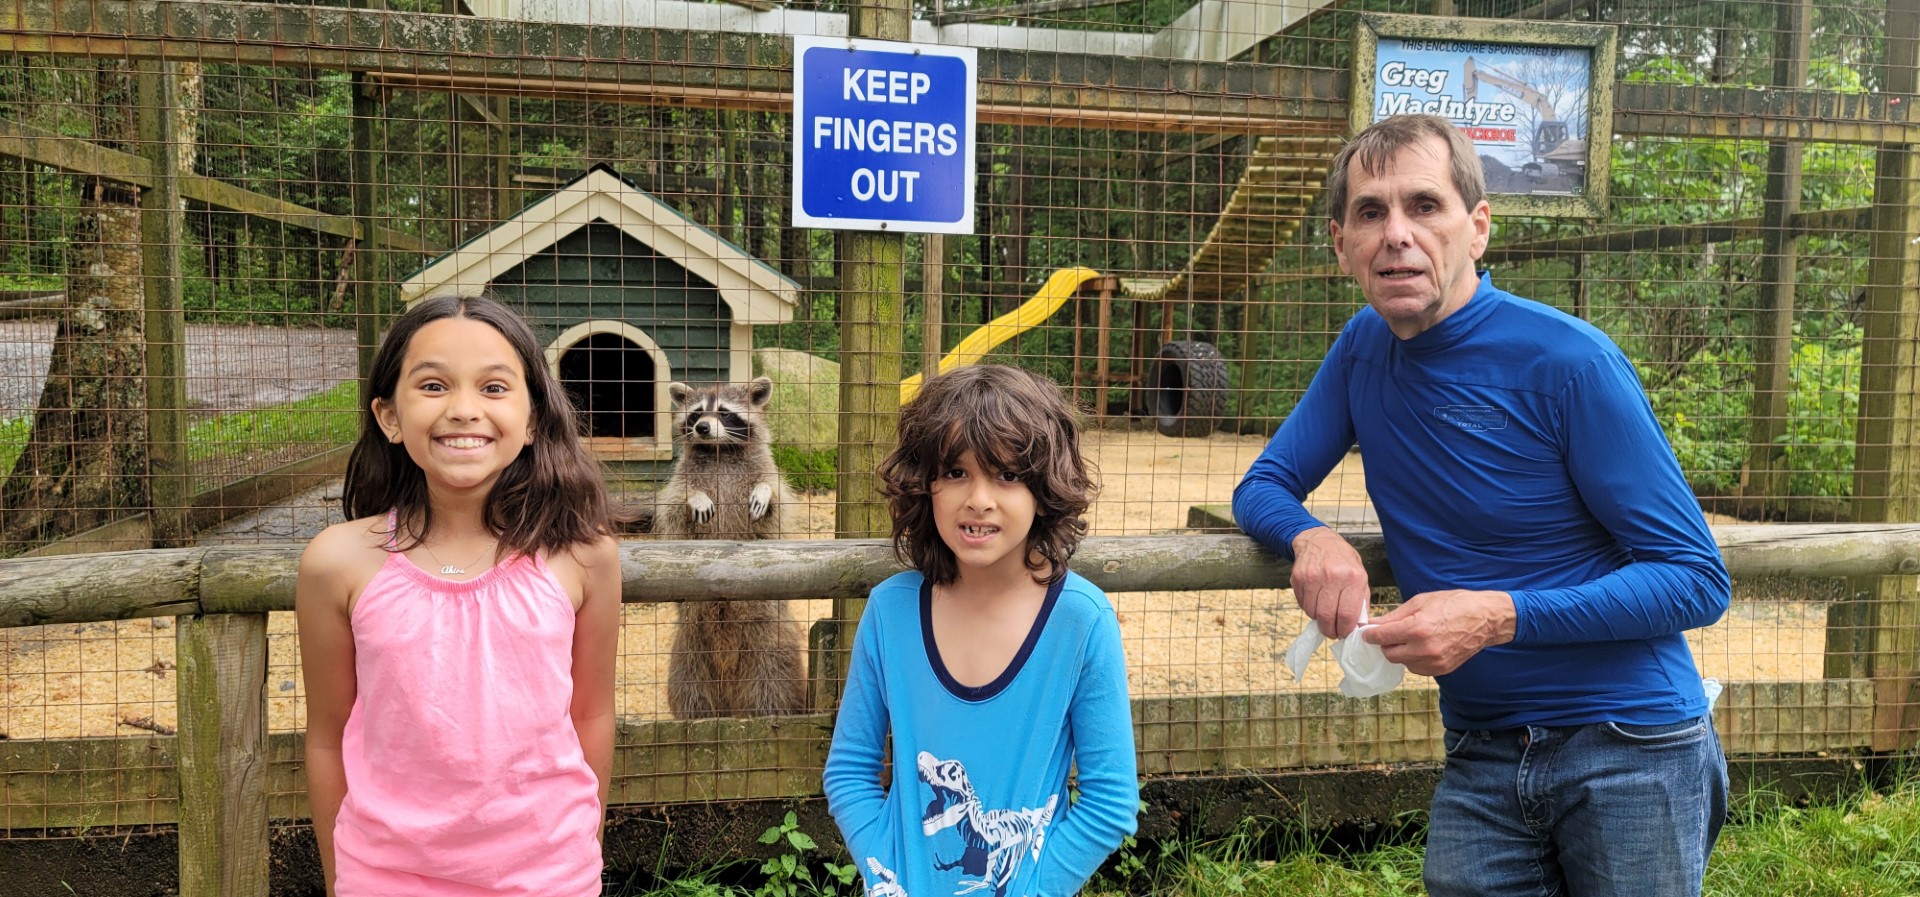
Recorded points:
(1189,389)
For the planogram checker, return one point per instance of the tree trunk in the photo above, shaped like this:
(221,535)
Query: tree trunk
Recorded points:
(86,462)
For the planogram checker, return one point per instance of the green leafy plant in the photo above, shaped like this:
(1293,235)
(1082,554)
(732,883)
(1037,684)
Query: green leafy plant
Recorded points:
(787,874)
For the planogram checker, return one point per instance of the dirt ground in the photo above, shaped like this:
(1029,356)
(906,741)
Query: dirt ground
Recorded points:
(102,679)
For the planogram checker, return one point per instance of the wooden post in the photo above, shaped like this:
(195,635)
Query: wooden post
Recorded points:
(1582,287)
(933,285)
(1103,330)
(872,340)
(1765,483)
(223,752)
(504,166)
(1877,634)
(362,162)
(162,233)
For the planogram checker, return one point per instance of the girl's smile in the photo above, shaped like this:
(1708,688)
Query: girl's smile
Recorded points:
(462,407)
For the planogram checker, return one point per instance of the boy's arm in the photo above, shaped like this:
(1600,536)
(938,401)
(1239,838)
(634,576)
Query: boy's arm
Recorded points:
(1101,721)
(852,776)
(596,647)
(326,660)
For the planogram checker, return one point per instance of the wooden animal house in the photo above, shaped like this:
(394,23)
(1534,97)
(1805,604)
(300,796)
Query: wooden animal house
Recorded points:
(628,295)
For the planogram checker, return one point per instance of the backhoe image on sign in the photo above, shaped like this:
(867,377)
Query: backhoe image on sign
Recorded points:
(1525,100)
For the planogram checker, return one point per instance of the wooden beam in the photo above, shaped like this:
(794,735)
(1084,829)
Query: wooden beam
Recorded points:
(754,71)
(77,156)
(85,588)
(678,761)
(1766,476)
(1642,109)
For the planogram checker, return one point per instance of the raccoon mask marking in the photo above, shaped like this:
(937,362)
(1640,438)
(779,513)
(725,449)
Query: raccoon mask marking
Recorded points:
(717,417)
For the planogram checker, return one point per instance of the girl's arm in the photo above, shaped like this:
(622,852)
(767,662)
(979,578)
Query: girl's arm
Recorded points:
(321,596)
(852,776)
(596,648)
(1101,720)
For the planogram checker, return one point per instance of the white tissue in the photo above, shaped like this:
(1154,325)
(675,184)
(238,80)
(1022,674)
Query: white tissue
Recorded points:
(1713,688)
(1368,672)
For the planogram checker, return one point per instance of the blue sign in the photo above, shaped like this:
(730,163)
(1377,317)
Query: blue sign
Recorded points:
(883,136)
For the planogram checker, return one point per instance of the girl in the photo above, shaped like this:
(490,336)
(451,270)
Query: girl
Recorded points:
(995,668)
(459,632)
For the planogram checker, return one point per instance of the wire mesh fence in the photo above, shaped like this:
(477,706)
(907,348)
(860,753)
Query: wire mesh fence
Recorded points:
(622,177)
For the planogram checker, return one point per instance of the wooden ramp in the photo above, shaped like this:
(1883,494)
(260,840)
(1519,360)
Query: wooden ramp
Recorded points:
(1274,197)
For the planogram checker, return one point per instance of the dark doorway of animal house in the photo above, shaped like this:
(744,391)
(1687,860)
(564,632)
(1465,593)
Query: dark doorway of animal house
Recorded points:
(610,380)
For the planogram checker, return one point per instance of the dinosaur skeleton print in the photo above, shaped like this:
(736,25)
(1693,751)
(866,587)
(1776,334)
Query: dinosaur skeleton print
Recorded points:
(993,842)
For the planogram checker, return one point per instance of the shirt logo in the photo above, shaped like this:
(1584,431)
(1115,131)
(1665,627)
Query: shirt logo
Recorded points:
(1472,417)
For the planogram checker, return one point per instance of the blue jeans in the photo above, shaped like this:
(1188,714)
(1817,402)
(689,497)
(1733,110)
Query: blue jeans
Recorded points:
(1577,811)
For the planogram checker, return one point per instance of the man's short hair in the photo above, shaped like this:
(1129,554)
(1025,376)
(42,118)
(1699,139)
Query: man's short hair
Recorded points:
(1376,146)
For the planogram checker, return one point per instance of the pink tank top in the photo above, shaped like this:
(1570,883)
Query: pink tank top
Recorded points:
(464,770)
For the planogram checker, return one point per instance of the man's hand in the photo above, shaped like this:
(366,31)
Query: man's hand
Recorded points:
(1329,581)
(1435,632)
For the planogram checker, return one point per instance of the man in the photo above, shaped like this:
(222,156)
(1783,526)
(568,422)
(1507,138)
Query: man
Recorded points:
(1550,550)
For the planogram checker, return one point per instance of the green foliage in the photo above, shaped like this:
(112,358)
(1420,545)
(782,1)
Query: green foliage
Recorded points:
(30,282)
(329,418)
(14,433)
(1262,858)
(1824,406)
(1704,405)
(555,154)
(787,874)
(807,470)
(1866,845)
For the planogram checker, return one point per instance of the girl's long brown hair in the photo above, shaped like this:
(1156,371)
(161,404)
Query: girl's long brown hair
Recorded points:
(550,498)
(1012,421)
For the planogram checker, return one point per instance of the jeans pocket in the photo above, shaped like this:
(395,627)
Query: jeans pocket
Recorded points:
(1659,734)
(1451,739)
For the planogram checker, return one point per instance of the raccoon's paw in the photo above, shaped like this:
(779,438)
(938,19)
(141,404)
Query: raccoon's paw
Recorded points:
(701,505)
(759,500)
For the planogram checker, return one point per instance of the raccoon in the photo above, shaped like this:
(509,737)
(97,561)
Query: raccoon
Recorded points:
(736,657)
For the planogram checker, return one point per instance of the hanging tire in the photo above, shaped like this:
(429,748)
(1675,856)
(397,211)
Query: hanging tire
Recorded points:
(1189,388)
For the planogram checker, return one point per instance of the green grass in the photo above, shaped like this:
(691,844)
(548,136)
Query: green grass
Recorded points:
(1865,845)
(807,470)
(328,418)
(32,282)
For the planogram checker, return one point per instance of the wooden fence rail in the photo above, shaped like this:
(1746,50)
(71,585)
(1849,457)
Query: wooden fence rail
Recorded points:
(183,581)
(222,776)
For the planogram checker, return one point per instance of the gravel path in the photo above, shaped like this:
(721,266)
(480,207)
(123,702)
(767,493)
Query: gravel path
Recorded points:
(229,368)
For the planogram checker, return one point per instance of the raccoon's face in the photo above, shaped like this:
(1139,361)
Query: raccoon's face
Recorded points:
(719,413)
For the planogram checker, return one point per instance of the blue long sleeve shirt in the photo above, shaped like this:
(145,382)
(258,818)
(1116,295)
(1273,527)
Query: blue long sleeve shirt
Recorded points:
(979,801)
(1511,448)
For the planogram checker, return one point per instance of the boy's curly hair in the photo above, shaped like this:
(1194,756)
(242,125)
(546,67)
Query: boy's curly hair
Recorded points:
(1012,421)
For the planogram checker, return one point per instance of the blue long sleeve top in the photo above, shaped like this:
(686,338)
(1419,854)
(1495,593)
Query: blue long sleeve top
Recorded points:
(1511,448)
(979,801)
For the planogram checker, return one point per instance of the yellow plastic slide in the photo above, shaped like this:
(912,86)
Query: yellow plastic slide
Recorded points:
(1032,313)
